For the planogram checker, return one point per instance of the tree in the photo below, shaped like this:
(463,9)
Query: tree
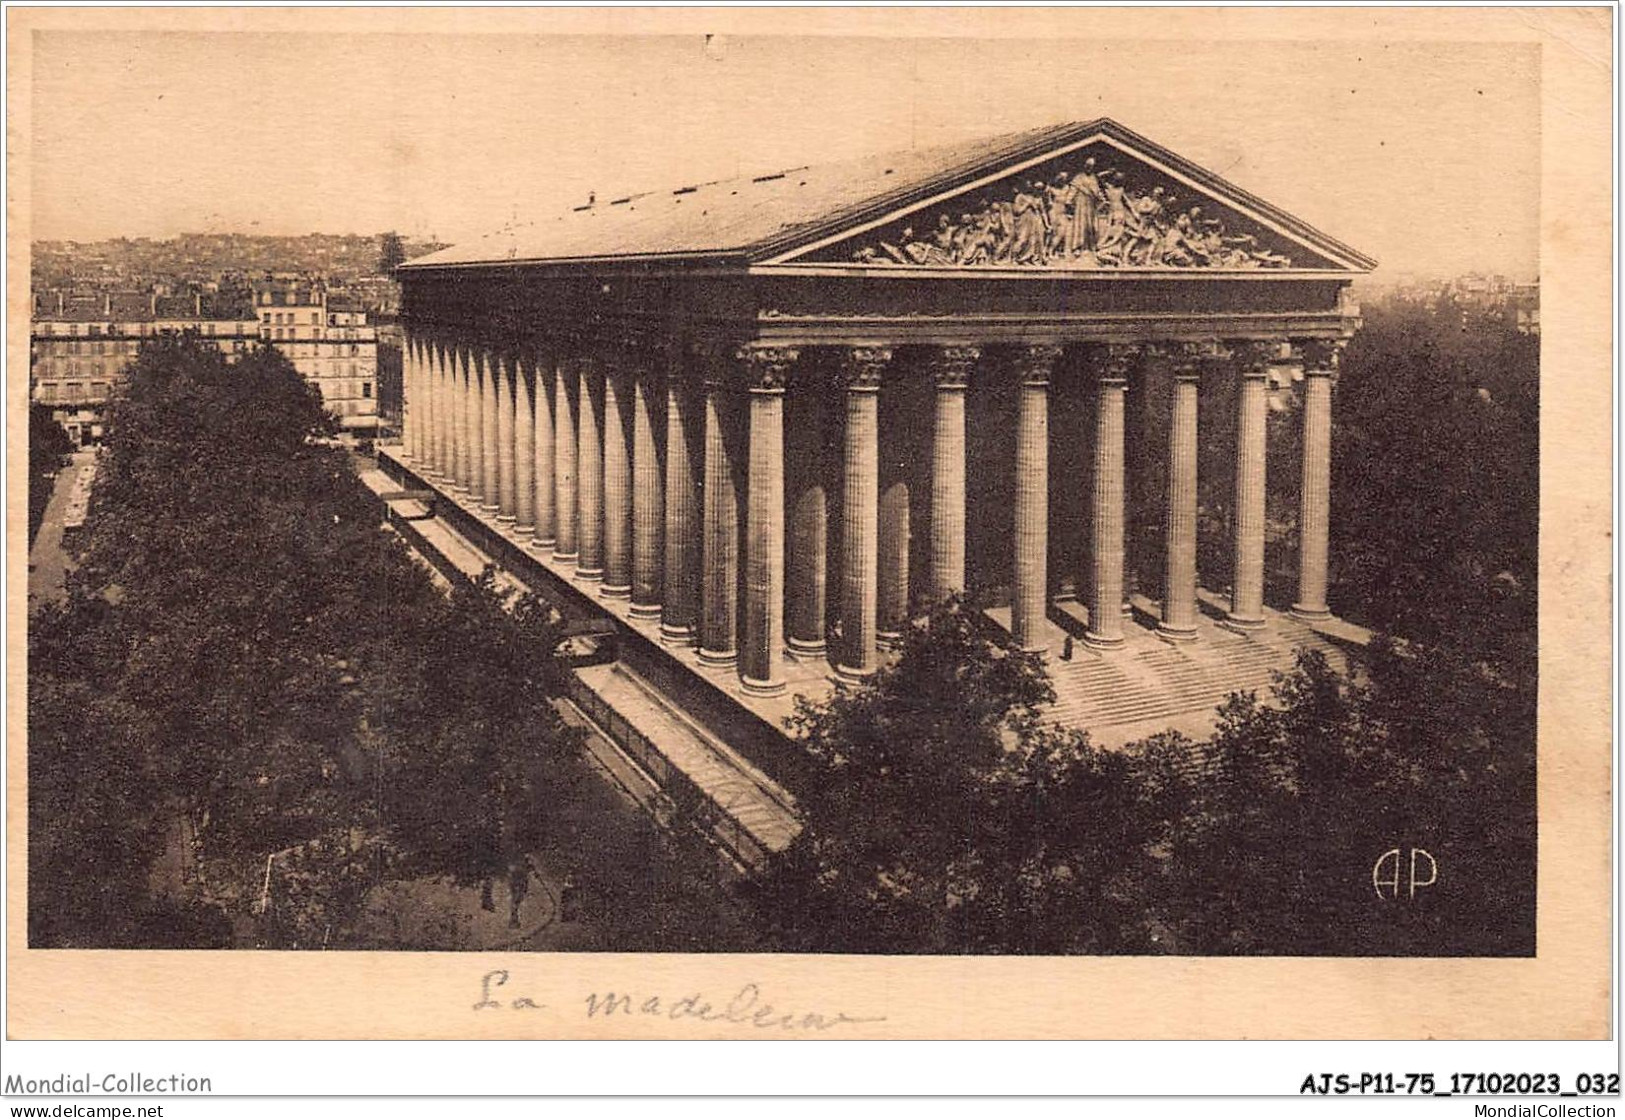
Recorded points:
(391,253)
(947,816)
(1280,817)
(244,650)
(478,745)
(1436,481)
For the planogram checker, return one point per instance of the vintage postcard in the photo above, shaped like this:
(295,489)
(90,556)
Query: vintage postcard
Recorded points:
(850,524)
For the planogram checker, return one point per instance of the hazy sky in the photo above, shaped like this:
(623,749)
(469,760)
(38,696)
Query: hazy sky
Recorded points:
(1424,155)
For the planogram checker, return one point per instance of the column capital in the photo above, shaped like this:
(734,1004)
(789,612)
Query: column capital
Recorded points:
(1188,359)
(861,367)
(1321,357)
(951,365)
(1252,358)
(1115,361)
(766,367)
(1034,362)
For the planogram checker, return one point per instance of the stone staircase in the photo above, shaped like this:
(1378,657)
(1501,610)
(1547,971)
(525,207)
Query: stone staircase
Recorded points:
(1149,680)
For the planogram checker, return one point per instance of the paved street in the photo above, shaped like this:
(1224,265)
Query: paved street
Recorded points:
(47,561)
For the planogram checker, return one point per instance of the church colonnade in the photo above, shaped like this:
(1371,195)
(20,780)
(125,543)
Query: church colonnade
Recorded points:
(668,476)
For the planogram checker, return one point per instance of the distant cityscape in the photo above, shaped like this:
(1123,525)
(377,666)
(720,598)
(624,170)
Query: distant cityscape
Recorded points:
(327,302)
(1516,302)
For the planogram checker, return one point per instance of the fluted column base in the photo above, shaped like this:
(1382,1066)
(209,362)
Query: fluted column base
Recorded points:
(671,635)
(1176,634)
(718,658)
(803,650)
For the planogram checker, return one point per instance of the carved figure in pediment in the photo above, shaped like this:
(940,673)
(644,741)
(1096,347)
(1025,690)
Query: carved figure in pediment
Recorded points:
(946,242)
(1089,217)
(1191,238)
(1173,248)
(1004,230)
(1114,223)
(1147,227)
(980,242)
(1058,203)
(1032,235)
(1087,199)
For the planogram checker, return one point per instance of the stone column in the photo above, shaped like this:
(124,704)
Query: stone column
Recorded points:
(473,456)
(590,470)
(473,449)
(617,480)
(566,463)
(861,370)
(1179,574)
(524,452)
(489,436)
(505,370)
(546,531)
(424,401)
(1030,593)
(719,643)
(1314,513)
(1106,594)
(443,419)
(423,389)
(468,426)
(952,368)
(685,441)
(411,402)
(450,430)
(1247,589)
(806,571)
(648,490)
(760,672)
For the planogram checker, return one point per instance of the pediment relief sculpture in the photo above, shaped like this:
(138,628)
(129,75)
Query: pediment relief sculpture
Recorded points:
(1086,217)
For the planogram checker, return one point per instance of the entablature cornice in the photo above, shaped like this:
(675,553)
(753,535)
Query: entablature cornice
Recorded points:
(1014,330)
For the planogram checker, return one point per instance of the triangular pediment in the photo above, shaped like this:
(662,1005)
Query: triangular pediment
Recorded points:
(1107,201)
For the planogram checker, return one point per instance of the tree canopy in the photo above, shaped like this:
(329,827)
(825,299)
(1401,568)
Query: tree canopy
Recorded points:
(391,253)
(246,648)
(948,816)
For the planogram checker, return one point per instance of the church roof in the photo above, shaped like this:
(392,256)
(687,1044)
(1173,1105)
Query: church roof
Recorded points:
(767,218)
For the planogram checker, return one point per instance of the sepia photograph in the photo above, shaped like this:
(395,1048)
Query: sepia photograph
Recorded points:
(782,496)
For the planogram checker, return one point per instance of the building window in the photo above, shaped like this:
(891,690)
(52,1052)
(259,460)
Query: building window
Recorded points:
(366,389)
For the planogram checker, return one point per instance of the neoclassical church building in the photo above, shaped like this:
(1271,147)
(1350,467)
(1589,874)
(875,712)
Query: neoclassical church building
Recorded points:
(753,427)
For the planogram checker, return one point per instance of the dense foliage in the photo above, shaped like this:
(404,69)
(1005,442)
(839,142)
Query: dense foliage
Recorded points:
(248,662)
(1436,481)
(1279,820)
(947,816)
(391,253)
